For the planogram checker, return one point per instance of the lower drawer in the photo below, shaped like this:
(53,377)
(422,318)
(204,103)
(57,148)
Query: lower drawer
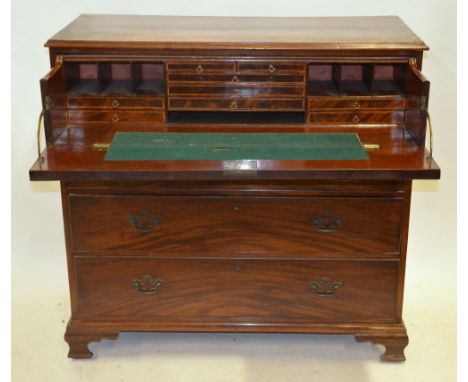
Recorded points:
(114,116)
(235,104)
(116,102)
(257,290)
(357,117)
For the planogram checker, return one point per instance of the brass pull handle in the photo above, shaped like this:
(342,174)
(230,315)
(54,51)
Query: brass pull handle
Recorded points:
(148,285)
(144,222)
(115,103)
(355,118)
(115,118)
(325,287)
(235,79)
(38,136)
(236,91)
(272,68)
(234,105)
(326,222)
(356,105)
(199,69)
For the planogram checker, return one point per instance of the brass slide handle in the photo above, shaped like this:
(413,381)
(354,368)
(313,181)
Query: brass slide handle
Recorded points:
(148,285)
(429,123)
(38,136)
(325,287)
(199,69)
(272,68)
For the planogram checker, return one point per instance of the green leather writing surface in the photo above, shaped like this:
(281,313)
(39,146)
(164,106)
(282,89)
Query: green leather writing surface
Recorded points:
(129,146)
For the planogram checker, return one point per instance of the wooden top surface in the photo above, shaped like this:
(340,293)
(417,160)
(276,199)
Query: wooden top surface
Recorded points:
(72,158)
(207,32)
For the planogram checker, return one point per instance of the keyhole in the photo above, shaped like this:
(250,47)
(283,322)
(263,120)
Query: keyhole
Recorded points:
(236,207)
(238,267)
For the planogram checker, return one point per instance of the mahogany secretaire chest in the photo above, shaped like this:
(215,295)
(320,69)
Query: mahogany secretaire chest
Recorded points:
(263,234)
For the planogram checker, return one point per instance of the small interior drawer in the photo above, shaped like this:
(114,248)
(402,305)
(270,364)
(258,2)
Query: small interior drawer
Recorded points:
(237,91)
(356,103)
(201,67)
(114,116)
(116,102)
(234,104)
(271,67)
(357,117)
(236,78)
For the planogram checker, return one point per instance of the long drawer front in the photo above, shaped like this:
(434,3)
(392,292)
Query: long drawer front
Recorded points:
(266,226)
(235,104)
(78,116)
(258,290)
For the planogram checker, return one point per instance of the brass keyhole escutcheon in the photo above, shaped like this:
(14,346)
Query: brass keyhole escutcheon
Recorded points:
(115,118)
(356,105)
(237,267)
(236,207)
(199,69)
(115,103)
(272,68)
(235,79)
(233,105)
(355,118)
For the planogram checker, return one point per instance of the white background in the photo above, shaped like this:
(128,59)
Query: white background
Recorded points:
(40,300)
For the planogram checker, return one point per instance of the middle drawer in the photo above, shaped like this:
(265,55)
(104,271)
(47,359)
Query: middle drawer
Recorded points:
(266,226)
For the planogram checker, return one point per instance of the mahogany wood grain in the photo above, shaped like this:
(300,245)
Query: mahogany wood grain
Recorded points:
(236,251)
(261,226)
(252,290)
(360,117)
(72,158)
(201,32)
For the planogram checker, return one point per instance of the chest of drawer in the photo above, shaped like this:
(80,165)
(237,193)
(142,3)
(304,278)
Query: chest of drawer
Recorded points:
(213,290)
(115,102)
(78,116)
(265,226)
(356,103)
(357,117)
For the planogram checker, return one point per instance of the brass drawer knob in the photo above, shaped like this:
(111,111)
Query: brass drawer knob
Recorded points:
(144,222)
(326,222)
(148,285)
(115,103)
(115,118)
(355,118)
(356,105)
(325,287)
(272,68)
(235,79)
(199,69)
(234,105)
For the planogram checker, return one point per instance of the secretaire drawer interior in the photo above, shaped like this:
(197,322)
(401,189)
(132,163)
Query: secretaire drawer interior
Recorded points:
(267,226)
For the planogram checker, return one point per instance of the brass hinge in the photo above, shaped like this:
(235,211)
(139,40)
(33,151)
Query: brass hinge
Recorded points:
(48,102)
(423,103)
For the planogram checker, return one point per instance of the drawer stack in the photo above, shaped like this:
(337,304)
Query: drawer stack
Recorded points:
(117,109)
(357,110)
(150,255)
(236,86)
